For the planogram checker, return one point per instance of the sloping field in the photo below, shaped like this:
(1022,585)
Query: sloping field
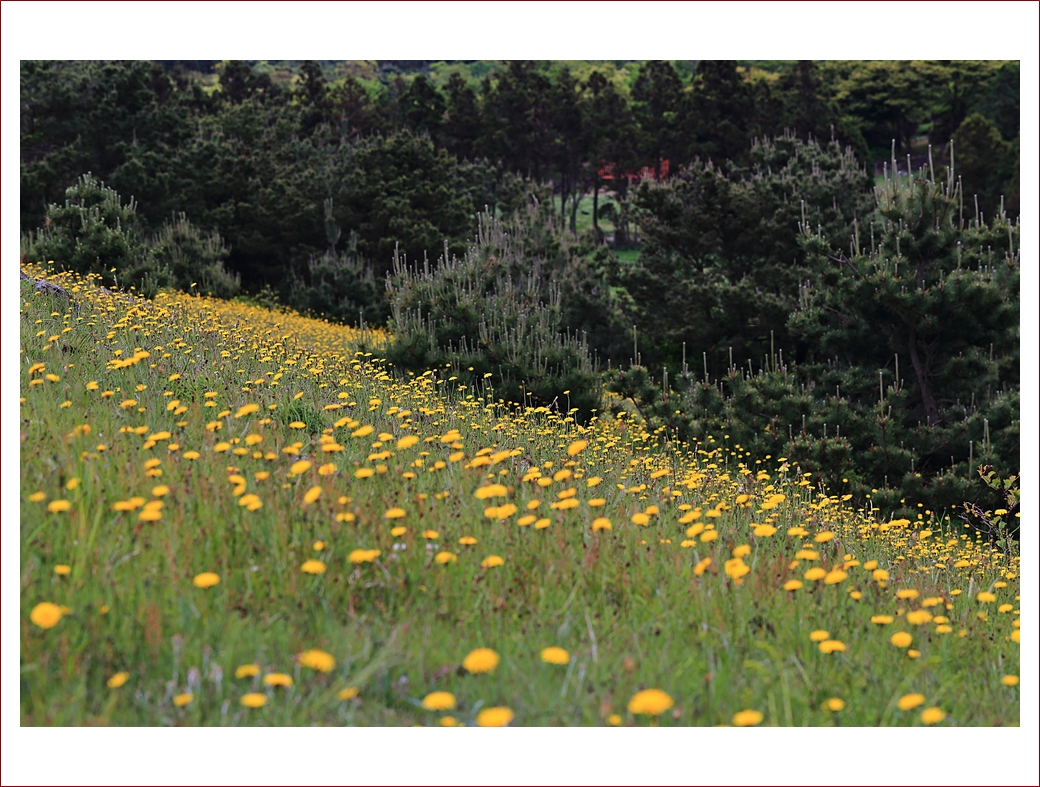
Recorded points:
(231,516)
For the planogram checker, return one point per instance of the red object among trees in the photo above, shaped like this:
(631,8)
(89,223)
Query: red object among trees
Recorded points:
(607,172)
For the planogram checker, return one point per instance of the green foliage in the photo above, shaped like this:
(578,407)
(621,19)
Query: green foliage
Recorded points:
(914,370)
(491,312)
(95,232)
(195,260)
(979,153)
(720,268)
(341,286)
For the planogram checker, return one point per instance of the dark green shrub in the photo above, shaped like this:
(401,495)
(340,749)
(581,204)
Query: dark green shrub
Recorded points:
(195,260)
(913,380)
(491,312)
(94,232)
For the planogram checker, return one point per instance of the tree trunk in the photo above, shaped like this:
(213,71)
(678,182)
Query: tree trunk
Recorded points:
(931,409)
(595,209)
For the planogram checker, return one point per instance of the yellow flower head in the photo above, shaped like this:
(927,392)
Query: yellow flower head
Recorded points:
(494,717)
(183,699)
(318,660)
(278,679)
(480,660)
(555,655)
(747,718)
(247,671)
(439,700)
(491,561)
(650,702)
(45,615)
(206,579)
(118,680)
(910,701)
(901,639)
(932,715)
(313,567)
(253,700)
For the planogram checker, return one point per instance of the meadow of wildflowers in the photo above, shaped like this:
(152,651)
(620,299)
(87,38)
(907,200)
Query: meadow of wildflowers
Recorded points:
(232,516)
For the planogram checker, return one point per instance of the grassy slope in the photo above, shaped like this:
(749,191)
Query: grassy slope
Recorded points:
(626,603)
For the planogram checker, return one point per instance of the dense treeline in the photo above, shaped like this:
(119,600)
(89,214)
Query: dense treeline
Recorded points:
(716,284)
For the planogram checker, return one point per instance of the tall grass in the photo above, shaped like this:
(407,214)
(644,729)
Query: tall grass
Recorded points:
(368,532)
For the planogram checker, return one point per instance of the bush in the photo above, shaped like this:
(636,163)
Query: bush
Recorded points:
(342,287)
(194,259)
(491,312)
(94,232)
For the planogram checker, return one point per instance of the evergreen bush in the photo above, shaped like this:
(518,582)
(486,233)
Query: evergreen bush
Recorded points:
(95,232)
(491,313)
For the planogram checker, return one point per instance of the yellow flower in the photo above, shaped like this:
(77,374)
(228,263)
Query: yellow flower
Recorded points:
(363,555)
(407,442)
(246,409)
(247,671)
(278,679)
(907,593)
(206,579)
(467,541)
(62,570)
(614,720)
(299,468)
(394,513)
(910,701)
(398,531)
(901,639)
(494,717)
(492,490)
(183,699)
(879,574)
(348,693)
(932,715)
(56,506)
(986,598)
(823,537)
(792,584)
(834,577)
(118,680)
(747,718)
(576,447)
(313,567)
(650,702)
(253,700)
(832,646)
(819,635)
(640,519)
(312,494)
(764,531)
(815,573)
(1010,680)
(443,558)
(480,660)
(600,523)
(741,551)
(491,561)
(555,655)
(439,700)
(318,660)
(432,535)
(45,615)
(881,620)
(918,616)
(834,704)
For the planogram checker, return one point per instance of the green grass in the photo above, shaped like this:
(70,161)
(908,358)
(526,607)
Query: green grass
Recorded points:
(626,603)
